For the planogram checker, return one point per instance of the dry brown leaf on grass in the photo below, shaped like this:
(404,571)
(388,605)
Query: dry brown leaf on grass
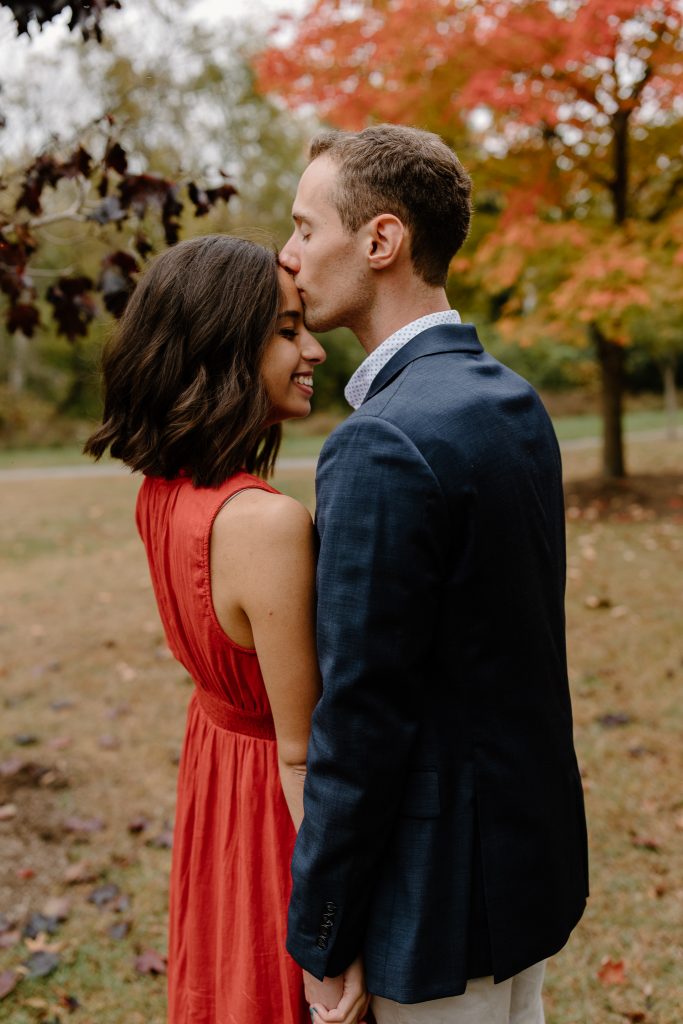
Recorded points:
(82,826)
(612,972)
(42,962)
(80,872)
(646,843)
(10,938)
(58,907)
(8,982)
(119,930)
(137,825)
(150,962)
(104,894)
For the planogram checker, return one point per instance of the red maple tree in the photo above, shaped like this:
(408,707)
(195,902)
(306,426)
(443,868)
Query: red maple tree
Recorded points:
(568,113)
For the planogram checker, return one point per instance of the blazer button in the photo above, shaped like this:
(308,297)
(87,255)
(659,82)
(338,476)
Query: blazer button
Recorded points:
(321,943)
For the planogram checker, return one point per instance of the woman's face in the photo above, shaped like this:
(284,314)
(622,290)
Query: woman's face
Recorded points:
(291,355)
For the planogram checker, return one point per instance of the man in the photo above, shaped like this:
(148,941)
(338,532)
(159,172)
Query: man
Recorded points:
(444,835)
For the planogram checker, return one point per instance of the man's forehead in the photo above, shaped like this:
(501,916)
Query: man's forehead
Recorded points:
(315,186)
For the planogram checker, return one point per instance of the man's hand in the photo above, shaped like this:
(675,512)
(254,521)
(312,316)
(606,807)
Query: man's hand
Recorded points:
(341,1000)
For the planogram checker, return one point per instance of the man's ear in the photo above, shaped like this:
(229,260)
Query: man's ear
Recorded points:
(386,236)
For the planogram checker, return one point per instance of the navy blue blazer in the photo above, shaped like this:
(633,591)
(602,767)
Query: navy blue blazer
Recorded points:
(444,833)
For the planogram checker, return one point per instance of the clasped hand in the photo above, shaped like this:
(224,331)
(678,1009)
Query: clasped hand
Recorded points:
(342,1000)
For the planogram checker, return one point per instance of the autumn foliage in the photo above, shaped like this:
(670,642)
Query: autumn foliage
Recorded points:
(568,114)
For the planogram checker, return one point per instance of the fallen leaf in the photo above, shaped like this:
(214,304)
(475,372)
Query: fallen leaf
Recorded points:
(593,601)
(9,939)
(8,811)
(126,672)
(68,1002)
(137,825)
(612,972)
(8,982)
(150,962)
(58,907)
(640,751)
(25,873)
(40,944)
(54,779)
(614,719)
(635,1016)
(38,924)
(41,963)
(104,894)
(82,826)
(81,871)
(25,739)
(11,767)
(162,841)
(119,930)
(646,843)
(37,1003)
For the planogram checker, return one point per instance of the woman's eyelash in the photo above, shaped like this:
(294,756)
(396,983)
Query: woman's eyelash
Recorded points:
(288,332)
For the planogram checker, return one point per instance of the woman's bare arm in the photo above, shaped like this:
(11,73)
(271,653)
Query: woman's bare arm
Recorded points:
(263,587)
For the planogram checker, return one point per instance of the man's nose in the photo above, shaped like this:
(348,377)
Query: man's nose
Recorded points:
(289,258)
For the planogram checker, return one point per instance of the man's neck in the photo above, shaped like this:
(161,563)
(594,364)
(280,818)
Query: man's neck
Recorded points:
(392,312)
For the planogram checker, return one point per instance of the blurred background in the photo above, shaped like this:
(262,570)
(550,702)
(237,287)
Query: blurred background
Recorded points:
(127,125)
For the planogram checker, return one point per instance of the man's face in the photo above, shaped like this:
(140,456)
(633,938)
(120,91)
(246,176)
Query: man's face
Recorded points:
(329,265)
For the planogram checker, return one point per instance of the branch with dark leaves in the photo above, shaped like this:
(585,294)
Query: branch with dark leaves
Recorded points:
(86,15)
(106,196)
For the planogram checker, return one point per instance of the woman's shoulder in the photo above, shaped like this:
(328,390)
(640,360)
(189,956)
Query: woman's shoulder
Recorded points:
(267,516)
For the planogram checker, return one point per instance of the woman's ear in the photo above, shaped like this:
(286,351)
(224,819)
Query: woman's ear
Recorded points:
(386,234)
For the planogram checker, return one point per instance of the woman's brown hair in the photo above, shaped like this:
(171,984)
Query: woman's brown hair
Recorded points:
(182,380)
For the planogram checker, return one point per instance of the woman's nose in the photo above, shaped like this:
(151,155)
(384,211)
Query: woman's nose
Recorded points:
(313,350)
(289,258)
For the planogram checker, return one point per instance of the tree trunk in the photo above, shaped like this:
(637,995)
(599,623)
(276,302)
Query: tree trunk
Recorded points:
(611,359)
(16,377)
(668,368)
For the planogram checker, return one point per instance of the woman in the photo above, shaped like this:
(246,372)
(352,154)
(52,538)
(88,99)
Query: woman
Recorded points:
(210,356)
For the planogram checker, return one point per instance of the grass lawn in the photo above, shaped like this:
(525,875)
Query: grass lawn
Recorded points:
(92,722)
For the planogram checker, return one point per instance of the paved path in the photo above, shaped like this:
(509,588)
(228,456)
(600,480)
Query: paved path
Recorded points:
(89,471)
(75,472)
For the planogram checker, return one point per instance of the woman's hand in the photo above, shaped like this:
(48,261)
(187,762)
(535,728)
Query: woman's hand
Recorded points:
(342,1000)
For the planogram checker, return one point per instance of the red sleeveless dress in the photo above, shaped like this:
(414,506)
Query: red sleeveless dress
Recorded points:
(233,836)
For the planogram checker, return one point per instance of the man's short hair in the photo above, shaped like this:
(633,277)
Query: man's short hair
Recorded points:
(409,173)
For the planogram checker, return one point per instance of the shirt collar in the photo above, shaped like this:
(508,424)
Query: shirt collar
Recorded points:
(359,384)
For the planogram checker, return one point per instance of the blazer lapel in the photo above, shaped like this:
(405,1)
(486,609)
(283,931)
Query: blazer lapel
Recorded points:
(442,338)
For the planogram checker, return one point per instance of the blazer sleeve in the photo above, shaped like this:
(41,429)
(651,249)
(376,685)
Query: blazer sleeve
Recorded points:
(383,530)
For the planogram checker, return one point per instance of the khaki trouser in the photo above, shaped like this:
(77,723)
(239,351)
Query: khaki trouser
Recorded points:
(515,1001)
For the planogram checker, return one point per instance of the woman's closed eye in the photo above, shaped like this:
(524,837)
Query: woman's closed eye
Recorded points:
(289,332)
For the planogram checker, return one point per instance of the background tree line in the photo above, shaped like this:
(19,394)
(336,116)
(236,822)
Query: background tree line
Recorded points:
(568,116)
